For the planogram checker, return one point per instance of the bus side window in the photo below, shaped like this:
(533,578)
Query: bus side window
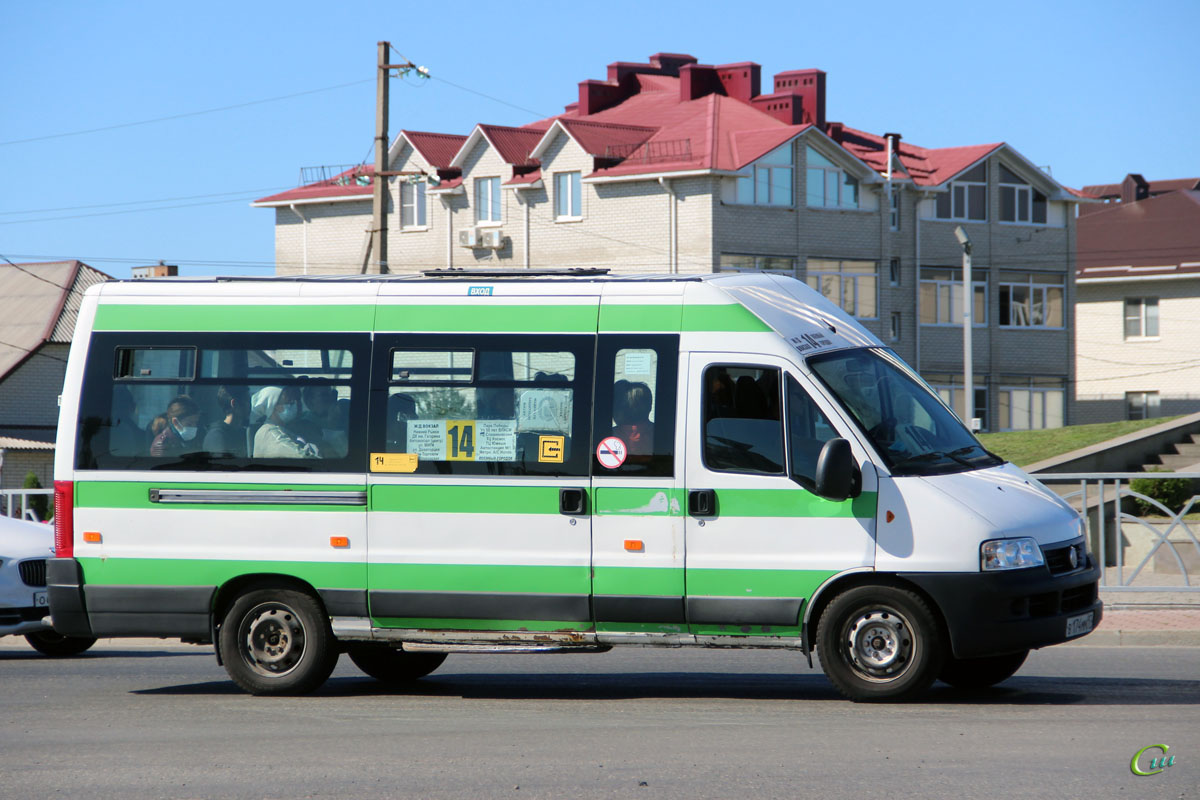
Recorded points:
(743,431)
(808,430)
(636,378)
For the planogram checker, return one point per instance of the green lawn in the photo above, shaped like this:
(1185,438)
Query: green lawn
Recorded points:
(1027,447)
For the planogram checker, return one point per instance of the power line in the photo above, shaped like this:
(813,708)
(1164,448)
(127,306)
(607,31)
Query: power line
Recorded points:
(143,202)
(33,275)
(490,97)
(126,211)
(186,114)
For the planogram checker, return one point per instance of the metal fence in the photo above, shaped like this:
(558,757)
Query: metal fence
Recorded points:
(1144,545)
(17,502)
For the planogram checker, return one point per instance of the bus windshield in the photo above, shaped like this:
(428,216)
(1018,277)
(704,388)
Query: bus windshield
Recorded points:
(909,425)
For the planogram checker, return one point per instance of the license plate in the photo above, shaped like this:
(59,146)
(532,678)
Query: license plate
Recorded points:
(1077,626)
(40,600)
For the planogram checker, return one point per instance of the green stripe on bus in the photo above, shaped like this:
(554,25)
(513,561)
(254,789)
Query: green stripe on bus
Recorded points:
(460,499)
(517,578)
(640,318)
(649,501)
(733,318)
(203,317)
(455,624)
(790,503)
(648,581)
(136,494)
(478,318)
(756,582)
(214,572)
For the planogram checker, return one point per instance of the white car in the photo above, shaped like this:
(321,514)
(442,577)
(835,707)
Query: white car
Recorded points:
(24,548)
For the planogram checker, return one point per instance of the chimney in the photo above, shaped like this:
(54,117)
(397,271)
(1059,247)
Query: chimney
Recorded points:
(785,107)
(697,81)
(622,82)
(809,84)
(741,81)
(1134,188)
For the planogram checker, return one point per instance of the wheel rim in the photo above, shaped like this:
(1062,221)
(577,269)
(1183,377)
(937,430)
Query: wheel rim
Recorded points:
(273,639)
(880,644)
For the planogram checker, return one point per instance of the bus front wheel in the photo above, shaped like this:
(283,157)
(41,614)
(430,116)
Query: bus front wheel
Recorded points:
(277,641)
(879,643)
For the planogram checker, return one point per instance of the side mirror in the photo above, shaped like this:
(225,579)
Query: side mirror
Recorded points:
(836,471)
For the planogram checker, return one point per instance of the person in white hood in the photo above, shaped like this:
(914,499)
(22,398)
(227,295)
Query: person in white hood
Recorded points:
(279,408)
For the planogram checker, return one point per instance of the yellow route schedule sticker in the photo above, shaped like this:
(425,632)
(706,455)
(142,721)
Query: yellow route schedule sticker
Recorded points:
(394,462)
(550,449)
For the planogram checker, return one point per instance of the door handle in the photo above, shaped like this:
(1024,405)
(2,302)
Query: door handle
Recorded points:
(572,502)
(702,502)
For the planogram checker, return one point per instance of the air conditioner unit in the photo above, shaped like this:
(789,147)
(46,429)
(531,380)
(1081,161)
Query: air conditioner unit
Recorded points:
(492,239)
(468,238)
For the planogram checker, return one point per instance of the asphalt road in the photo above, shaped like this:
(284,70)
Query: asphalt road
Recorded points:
(164,721)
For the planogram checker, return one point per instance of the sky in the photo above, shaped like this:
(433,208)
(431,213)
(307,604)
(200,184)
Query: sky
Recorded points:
(136,132)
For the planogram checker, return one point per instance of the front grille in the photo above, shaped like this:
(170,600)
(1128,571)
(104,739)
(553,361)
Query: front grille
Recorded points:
(33,572)
(1058,560)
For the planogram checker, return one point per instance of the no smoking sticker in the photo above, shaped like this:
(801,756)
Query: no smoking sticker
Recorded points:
(611,452)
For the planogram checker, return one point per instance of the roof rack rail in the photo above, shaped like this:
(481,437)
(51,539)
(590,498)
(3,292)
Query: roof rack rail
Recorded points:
(562,272)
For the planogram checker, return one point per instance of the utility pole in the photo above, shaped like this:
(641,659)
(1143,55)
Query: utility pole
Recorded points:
(379,196)
(968,321)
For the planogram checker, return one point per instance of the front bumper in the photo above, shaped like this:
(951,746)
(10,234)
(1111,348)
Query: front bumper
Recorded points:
(1003,612)
(19,621)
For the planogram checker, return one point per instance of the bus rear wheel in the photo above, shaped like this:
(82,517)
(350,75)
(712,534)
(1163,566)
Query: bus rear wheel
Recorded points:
(392,666)
(879,643)
(277,642)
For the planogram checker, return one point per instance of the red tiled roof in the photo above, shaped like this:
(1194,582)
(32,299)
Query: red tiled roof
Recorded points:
(1156,236)
(513,144)
(436,148)
(598,138)
(1155,187)
(354,182)
(525,178)
(926,167)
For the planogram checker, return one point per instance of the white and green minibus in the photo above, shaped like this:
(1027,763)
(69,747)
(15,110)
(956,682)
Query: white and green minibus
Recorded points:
(402,467)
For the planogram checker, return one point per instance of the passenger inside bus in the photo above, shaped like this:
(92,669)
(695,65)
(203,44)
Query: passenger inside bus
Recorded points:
(632,403)
(226,438)
(178,435)
(279,408)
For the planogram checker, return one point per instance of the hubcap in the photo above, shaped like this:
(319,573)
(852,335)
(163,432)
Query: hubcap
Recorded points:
(273,639)
(879,644)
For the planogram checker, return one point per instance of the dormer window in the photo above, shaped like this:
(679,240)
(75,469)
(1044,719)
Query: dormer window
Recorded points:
(768,181)
(1020,202)
(828,184)
(967,198)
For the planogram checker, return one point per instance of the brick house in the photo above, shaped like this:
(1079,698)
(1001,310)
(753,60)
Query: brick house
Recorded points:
(38,307)
(1138,304)
(675,166)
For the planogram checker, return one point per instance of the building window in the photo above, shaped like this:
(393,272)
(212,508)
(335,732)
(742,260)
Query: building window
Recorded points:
(896,322)
(894,272)
(950,389)
(1031,403)
(734,262)
(1141,317)
(1020,202)
(828,184)
(966,198)
(412,205)
(894,218)
(1141,405)
(768,181)
(567,196)
(941,296)
(487,199)
(849,284)
(1031,300)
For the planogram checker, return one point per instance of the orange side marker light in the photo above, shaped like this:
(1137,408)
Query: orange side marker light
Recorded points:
(339,541)
(634,545)
(92,536)
(890,516)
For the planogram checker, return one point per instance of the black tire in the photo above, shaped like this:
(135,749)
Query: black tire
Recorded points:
(55,645)
(880,643)
(391,666)
(980,673)
(277,642)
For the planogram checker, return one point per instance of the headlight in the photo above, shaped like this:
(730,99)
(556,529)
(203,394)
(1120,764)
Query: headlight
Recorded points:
(1010,554)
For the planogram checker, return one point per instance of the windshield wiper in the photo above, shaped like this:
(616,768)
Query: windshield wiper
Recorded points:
(937,455)
(962,451)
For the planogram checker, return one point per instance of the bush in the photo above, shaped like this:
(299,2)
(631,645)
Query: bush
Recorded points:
(38,502)
(1171,492)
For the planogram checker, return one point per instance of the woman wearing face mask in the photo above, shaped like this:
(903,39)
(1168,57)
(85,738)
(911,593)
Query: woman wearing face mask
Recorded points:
(179,435)
(279,408)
